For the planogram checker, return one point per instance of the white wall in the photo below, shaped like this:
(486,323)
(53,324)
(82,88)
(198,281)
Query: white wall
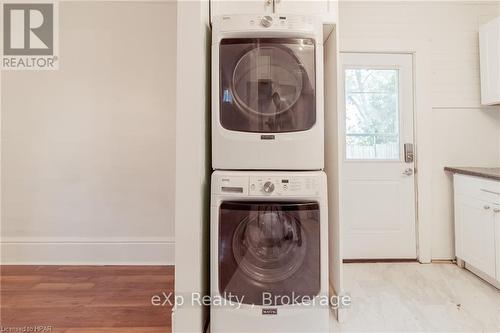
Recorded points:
(463,133)
(88,151)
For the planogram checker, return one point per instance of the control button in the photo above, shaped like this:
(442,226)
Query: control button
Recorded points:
(252,187)
(266,21)
(268,187)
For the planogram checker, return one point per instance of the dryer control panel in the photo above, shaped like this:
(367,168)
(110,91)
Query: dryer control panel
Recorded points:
(279,22)
(283,186)
(251,24)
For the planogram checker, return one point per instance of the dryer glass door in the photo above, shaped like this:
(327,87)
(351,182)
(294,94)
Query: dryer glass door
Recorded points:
(269,247)
(267,85)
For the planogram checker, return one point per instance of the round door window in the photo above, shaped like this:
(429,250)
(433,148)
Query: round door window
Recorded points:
(267,80)
(267,85)
(269,246)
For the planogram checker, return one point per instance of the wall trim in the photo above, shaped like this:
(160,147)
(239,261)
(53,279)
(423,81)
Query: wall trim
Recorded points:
(87,250)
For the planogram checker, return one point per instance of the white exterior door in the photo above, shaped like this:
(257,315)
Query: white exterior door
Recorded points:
(378,182)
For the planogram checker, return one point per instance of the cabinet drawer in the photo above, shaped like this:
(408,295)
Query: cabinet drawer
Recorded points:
(479,188)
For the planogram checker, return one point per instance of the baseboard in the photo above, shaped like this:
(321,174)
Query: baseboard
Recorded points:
(338,313)
(87,251)
(482,275)
(372,261)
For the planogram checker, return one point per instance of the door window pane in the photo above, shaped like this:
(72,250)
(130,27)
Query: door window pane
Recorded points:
(372,114)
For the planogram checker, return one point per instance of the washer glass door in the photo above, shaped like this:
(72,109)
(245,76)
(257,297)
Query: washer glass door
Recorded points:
(269,247)
(267,85)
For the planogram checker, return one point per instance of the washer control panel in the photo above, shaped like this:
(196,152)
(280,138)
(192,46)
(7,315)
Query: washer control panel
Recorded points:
(267,185)
(283,186)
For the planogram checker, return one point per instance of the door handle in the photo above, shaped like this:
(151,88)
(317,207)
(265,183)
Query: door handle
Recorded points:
(408,172)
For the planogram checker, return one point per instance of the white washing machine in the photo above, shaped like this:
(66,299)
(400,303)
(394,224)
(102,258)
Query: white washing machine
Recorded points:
(269,252)
(267,93)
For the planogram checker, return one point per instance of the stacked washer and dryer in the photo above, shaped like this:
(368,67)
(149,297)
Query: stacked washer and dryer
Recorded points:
(269,221)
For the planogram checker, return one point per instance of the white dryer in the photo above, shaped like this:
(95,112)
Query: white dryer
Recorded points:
(267,93)
(269,252)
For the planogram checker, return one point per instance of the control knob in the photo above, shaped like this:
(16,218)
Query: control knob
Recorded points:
(268,187)
(266,21)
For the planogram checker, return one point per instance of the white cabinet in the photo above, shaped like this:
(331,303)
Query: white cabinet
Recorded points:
(228,7)
(477,225)
(301,7)
(489,49)
(325,8)
(475,234)
(497,236)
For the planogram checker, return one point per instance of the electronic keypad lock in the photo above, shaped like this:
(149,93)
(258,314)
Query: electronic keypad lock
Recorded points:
(409,154)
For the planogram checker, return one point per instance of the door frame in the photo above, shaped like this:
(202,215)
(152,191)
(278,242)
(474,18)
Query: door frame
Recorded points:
(422,124)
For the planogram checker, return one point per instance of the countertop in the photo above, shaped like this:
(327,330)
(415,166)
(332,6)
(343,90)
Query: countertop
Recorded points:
(489,173)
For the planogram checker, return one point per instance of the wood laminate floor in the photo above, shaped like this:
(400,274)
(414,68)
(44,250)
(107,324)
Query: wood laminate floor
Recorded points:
(85,299)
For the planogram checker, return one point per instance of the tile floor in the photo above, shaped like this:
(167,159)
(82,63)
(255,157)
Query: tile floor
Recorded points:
(410,297)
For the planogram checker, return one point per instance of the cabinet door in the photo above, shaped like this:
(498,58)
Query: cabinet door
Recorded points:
(301,7)
(489,43)
(227,7)
(475,232)
(496,210)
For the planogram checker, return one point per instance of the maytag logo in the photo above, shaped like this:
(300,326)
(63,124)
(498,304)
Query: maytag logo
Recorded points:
(30,39)
(270,312)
